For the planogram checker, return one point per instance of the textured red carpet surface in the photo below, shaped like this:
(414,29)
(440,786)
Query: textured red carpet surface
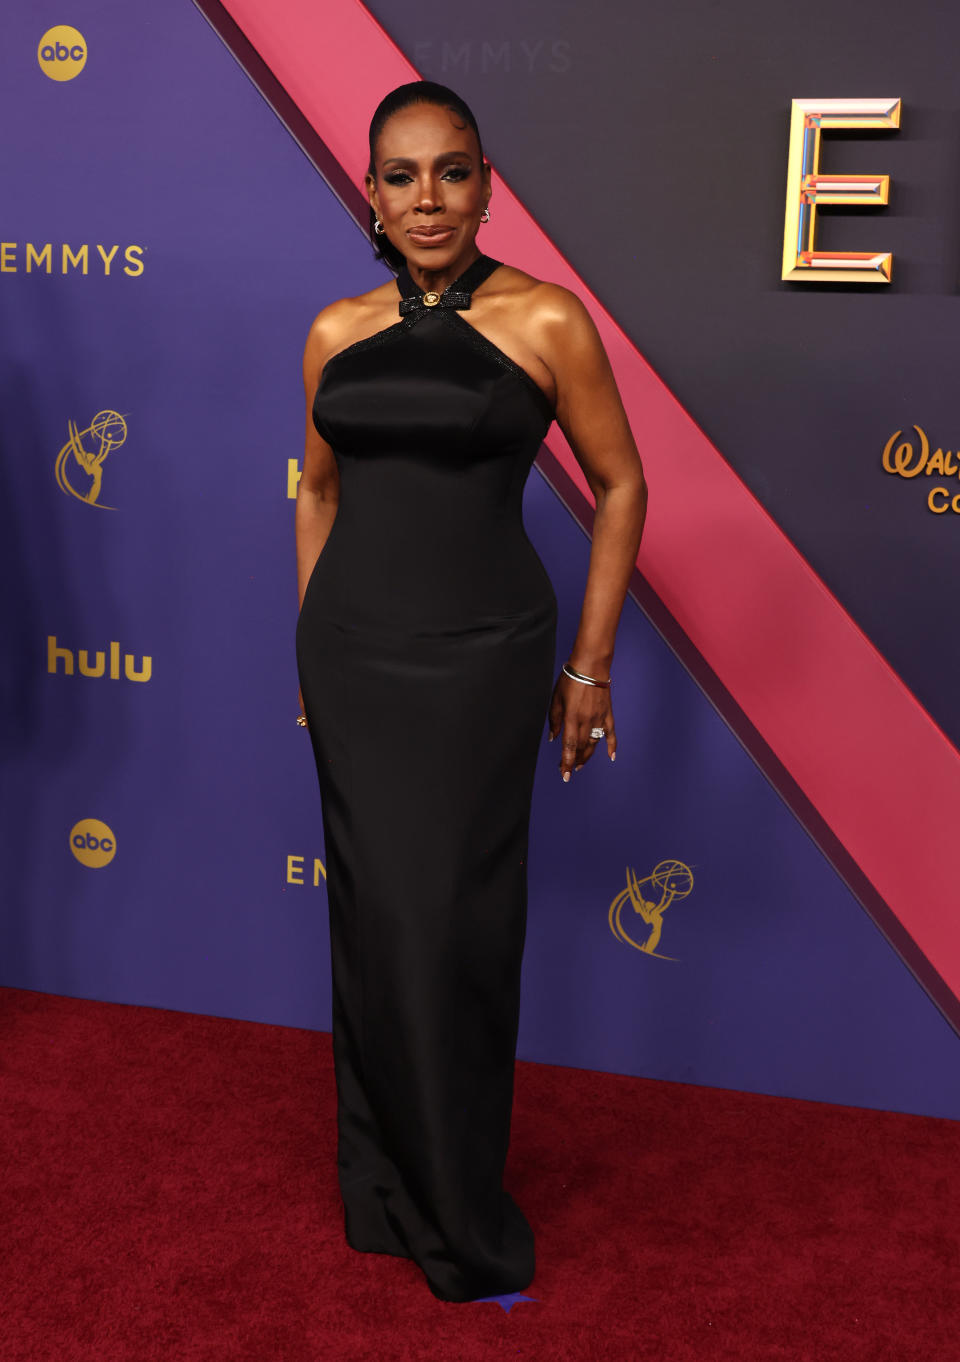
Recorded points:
(169,1192)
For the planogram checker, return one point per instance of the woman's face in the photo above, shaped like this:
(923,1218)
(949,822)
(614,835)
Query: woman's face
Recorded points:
(430,187)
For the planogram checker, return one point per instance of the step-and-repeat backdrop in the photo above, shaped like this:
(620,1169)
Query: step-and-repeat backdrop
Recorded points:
(164,247)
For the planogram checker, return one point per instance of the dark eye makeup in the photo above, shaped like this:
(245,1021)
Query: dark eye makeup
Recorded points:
(401,176)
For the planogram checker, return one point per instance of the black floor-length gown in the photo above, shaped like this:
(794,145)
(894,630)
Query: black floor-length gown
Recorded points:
(426,650)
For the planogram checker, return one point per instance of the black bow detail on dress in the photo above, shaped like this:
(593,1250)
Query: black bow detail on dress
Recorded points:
(417,301)
(450,297)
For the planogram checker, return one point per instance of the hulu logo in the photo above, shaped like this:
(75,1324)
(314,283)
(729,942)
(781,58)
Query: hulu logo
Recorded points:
(84,667)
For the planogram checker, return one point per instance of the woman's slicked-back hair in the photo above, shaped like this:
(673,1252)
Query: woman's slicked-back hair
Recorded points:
(415,92)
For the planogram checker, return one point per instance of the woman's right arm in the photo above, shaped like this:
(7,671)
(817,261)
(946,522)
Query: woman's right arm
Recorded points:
(318,490)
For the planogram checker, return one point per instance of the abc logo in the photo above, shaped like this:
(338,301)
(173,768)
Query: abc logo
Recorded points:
(62,53)
(92,842)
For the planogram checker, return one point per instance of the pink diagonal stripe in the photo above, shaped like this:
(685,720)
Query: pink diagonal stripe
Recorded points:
(881,773)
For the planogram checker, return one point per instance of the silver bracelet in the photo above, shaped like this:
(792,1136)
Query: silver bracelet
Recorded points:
(581,676)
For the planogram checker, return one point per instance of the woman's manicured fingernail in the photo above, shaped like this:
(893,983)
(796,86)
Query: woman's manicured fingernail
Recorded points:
(566,775)
(613,756)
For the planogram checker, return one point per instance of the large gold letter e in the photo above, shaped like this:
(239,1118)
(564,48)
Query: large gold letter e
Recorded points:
(806,188)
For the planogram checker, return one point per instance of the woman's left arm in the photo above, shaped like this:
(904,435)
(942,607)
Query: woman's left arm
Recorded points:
(590,413)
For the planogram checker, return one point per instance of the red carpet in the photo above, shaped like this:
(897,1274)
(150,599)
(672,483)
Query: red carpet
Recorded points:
(170,1193)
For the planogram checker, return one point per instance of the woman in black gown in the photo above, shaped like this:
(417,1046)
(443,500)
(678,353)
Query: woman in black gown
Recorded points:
(426,653)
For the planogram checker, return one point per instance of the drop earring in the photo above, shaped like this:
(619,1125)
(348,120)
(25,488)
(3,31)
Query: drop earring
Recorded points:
(377,226)
(485,215)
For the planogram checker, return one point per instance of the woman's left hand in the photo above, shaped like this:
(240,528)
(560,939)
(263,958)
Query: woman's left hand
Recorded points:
(575,708)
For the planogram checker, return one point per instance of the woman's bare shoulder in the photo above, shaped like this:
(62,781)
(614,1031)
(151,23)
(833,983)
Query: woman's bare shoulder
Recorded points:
(547,303)
(344,320)
(344,314)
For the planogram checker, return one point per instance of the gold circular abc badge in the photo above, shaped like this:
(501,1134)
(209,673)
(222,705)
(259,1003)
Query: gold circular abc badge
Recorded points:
(62,52)
(93,843)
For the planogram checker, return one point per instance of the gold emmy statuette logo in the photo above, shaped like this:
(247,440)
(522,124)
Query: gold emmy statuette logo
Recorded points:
(76,461)
(667,882)
(93,843)
(62,52)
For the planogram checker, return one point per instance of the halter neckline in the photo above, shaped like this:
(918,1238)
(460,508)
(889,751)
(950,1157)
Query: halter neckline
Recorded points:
(457,294)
